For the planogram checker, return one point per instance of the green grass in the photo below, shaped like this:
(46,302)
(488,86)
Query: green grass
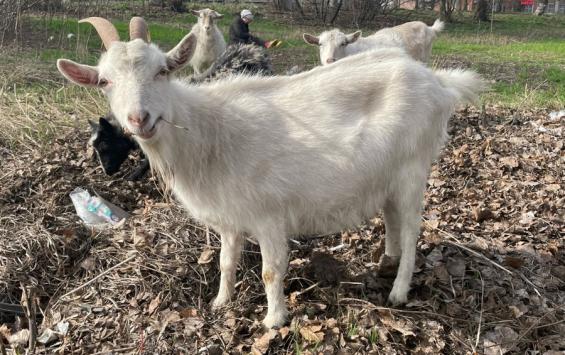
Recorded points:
(523,54)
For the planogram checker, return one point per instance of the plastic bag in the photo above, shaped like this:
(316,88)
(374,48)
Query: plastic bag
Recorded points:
(94,210)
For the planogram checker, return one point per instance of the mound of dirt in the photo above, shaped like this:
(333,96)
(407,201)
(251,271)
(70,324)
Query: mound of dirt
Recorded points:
(490,273)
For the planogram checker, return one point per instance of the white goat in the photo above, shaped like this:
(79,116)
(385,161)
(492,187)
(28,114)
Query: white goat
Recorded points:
(273,157)
(414,37)
(210,41)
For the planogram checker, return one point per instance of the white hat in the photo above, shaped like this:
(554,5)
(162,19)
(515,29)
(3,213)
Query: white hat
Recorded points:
(246,14)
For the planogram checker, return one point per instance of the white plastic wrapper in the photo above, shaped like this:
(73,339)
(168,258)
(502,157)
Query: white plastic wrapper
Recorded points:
(94,210)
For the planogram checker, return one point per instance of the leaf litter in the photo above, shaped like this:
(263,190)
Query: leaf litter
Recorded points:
(490,269)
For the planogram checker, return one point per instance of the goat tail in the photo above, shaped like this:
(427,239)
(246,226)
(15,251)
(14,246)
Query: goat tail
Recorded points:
(465,84)
(438,26)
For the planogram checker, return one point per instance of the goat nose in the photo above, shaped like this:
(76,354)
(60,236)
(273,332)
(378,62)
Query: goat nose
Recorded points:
(330,60)
(138,118)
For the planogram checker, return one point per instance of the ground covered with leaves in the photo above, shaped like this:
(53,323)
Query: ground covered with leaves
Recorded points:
(490,273)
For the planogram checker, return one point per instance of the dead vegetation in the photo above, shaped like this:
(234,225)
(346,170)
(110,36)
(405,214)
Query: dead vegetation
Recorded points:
(490,272)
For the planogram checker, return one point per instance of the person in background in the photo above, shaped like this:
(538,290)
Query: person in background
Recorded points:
(239,31)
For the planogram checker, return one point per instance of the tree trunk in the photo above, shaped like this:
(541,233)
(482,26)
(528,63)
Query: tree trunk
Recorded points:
(442,7)
(339,4)
(481,13)
(445,10)
(178,6)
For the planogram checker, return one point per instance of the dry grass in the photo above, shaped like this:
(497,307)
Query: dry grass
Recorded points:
(34,108)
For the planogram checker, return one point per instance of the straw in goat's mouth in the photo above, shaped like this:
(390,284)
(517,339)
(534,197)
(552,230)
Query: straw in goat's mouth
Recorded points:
(145,133)
(174,125)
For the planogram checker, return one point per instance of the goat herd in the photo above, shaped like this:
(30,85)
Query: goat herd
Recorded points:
(269,157)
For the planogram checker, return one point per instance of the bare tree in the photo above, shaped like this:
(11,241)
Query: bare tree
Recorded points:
(446,8)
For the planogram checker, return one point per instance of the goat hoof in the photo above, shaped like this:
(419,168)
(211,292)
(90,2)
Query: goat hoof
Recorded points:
(220,302)
(398,296)
(275,319)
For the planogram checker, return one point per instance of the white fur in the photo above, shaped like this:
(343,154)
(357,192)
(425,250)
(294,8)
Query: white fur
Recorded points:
(414,37)
(273,157)
(210,43)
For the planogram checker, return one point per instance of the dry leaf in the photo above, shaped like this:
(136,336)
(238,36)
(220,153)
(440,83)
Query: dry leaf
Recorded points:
(432,224)
(172,317)
(141,238)
(499,341)
(47,336)
(456,266)
(482,214)
(510,162)
(261,344)
(284,331)
(297,262)
(189,313)
(20,338)
(293,298)
(527,218)
(400,326)
(5,331)
(206,256)
(88,264)
(312,334)
(514,262)
(519,310)
(154,304)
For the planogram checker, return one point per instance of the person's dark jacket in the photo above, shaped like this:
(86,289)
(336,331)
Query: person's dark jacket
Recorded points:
(239,33)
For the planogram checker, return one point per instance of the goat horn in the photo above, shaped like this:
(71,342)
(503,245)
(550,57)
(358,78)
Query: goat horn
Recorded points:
(105,29)
(138,29)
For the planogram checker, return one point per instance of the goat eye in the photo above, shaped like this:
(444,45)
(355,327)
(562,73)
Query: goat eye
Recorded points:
(102,83)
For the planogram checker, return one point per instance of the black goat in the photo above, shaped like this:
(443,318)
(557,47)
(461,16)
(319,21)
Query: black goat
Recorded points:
(112,147)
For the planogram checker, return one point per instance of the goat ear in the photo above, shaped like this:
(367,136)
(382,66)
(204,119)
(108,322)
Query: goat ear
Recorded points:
(195,13)
(181,54)
(353,37)
(313,40)
(217,15)
(104,123)
(80,74)
(93,126)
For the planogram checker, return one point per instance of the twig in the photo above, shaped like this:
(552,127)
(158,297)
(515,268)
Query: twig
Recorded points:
(459,245)
(29,308)
(534,326)
(114,350)
(307,289)
(99,276)
(480,314)
(529,283)
(379,308)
